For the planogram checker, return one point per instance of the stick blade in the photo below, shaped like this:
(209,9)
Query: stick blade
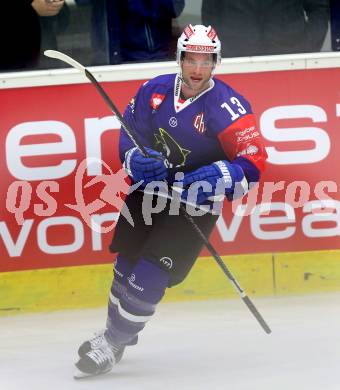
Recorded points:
(256,314)
(65,58)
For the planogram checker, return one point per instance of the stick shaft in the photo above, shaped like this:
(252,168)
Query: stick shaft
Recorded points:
(228,273)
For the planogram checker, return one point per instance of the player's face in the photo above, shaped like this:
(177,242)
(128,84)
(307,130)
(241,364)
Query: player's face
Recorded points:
(196,71)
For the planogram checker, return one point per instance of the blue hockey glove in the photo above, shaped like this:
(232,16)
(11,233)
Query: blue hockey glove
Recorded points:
(213,182)
(148,169)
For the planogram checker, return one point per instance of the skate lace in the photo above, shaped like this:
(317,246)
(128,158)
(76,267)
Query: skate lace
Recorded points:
(101,356)
(98,340)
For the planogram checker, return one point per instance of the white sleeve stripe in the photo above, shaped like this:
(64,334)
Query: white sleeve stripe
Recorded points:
(125,314)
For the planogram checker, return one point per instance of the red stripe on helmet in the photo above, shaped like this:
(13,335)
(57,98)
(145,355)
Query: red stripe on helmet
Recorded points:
(188,31)
(212,34)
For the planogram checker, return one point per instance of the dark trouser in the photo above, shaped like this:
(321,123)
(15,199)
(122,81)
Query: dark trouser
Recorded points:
(170,242)
(151,258)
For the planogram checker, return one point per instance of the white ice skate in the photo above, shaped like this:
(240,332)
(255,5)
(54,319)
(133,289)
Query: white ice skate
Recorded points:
(96,342)
(97,356)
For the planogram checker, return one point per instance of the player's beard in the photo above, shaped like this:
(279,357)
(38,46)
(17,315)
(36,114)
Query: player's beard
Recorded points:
(196,87)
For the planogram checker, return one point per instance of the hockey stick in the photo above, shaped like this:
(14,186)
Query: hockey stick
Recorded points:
(65,58)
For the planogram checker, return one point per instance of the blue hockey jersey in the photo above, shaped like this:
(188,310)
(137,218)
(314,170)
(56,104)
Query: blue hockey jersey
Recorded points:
(218,124)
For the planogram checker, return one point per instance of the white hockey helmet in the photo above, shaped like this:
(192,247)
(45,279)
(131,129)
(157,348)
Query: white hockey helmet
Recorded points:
(199,39)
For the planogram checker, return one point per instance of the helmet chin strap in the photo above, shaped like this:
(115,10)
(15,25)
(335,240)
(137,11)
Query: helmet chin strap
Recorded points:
(182,79)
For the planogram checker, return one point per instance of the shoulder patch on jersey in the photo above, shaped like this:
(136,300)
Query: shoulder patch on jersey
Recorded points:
(156,100)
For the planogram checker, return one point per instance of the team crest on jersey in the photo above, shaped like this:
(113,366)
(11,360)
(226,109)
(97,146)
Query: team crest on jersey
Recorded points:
(199,124)
(171,150)
(156,100)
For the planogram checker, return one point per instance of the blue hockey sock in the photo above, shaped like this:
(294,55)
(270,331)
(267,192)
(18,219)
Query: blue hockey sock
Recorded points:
(128,315)
(121,268)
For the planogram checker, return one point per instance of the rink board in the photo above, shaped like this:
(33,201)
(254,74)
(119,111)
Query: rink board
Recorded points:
(45,258)
(88,286)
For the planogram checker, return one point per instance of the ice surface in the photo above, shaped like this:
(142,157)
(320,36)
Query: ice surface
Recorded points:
(209,345)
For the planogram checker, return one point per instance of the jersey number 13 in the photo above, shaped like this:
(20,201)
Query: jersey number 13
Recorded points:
(235,108)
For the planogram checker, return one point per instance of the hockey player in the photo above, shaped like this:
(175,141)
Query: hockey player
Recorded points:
(189,122)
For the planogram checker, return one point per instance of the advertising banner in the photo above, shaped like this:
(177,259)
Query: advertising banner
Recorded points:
(62,184)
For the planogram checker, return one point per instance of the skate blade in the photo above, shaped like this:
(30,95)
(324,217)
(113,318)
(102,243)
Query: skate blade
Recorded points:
(79,375)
